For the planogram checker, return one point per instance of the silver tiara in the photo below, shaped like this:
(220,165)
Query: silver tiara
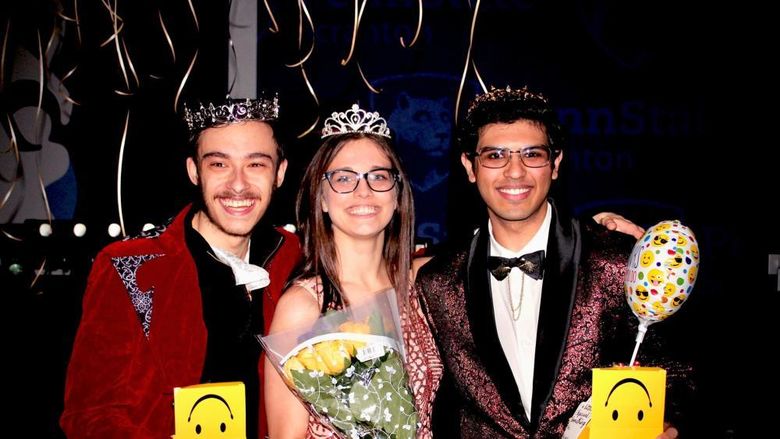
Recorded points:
(355,120)
(232,110)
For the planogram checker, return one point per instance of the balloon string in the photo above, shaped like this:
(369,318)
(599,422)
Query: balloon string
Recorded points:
(636,351)
(640,336)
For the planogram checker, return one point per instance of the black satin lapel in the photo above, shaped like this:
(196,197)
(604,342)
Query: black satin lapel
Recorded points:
(479,303)
(558,293)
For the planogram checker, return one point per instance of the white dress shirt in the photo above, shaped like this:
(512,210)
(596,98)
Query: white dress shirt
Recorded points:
(516,302)
(251,275)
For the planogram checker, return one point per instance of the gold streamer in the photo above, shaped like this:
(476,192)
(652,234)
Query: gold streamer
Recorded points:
(130,63)
(167,36)
(479,77)
(311,128)
(71,100)
(8,193)
(304,59)
(183,81)
(316,101)
(468,57)
(419,25)
(116,44)
(40,78)
(119,174)
(78,24)
(368,84)
(10,236)
(15,148)
(107,5)
(62,92)
(2,53)
(275,27)
(233,63)
(358,17)
(114,35)
(194,15)
(45,197)
(38,272)
(70,72)
(65,17)
(303,10)
(300,24)
(114,18)
(49,44)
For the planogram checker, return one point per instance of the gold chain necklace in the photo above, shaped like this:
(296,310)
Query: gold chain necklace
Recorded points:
(516,309)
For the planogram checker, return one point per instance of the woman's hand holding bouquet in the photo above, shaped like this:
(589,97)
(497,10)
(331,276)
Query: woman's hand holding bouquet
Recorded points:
(351,372)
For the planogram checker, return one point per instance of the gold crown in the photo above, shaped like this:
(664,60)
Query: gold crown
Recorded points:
(232,110)
(355,120)
(505,95)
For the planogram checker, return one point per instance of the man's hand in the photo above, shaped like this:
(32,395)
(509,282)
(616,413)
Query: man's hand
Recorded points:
(613,221)
(669,432)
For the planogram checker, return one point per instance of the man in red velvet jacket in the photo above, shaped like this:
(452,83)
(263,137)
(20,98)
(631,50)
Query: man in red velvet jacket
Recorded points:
(181,305)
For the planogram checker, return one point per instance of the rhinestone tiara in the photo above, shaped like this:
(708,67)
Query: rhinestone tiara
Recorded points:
(232,110)
(355,120)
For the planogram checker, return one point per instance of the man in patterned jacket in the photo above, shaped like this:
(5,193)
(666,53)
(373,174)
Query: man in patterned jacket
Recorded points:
(518,342)
(182,304)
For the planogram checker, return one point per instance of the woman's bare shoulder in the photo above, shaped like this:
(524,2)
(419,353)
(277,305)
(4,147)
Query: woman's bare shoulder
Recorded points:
(296,307)
(419,262)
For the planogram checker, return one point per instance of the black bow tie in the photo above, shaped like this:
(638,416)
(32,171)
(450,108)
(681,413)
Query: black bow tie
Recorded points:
(532,264)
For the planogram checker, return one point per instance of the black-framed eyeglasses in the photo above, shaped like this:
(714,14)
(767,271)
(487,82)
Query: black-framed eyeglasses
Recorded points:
(344,181)
(498,157)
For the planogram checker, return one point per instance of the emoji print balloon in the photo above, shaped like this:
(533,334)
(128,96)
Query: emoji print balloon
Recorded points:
(661,272)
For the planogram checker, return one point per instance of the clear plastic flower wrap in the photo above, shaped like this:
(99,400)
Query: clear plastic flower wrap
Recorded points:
(348,369)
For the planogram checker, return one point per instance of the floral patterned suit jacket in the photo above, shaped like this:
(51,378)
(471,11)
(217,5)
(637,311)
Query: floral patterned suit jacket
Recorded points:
(584,322)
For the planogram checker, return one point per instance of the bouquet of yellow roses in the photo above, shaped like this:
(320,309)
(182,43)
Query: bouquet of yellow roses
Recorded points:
(347,367)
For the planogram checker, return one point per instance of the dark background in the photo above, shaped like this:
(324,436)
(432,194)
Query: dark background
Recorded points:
(667,105)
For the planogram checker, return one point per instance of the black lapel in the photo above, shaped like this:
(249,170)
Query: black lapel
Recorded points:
(479,303)
(558,294)
(266,240)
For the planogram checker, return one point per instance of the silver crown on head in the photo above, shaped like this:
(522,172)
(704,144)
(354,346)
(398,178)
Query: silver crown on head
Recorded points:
(355,120)
(232,110)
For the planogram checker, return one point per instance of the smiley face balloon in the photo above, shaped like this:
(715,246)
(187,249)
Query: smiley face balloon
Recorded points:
(661,271)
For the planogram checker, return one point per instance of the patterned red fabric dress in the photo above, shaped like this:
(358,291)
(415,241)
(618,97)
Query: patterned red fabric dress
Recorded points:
(423,364)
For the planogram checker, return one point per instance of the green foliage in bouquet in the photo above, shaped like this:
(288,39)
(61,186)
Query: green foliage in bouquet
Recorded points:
(368,399)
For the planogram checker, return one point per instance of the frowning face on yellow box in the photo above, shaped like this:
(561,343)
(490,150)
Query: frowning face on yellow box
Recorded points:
(215,410)
(628,402)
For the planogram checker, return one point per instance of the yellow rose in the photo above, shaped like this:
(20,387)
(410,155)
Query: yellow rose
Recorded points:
(335,355)
(311,360)
(358,328)
(292,364)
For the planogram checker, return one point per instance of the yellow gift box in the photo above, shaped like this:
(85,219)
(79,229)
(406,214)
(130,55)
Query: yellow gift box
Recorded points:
(628,403)
(213,410)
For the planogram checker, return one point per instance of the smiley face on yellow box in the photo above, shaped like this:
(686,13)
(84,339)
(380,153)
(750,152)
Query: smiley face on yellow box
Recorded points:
(628,403)
(210,411)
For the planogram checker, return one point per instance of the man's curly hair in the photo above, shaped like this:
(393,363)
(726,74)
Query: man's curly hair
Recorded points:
(504,105)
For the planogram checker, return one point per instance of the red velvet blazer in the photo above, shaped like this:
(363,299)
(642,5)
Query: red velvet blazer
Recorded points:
(142,334)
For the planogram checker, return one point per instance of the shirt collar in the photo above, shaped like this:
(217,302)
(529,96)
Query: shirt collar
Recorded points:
(537,242)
